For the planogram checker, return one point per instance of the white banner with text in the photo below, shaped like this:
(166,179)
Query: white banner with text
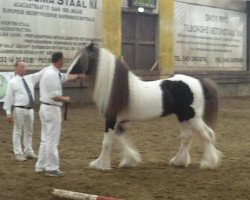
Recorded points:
(4,79)
(31,30)
(209,37)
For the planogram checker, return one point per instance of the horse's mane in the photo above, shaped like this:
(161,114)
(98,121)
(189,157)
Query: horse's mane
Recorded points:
(111,91)
(119,96)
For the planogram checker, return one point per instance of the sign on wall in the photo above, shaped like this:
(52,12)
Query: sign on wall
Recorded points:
(143,3)
(4,78)
(32,30)
(209,37)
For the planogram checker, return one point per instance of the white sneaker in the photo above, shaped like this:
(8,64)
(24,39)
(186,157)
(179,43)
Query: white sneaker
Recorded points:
(40,170)
(20,158)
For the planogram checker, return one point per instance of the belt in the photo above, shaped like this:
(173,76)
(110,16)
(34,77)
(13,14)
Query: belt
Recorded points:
(49,104)
(24,107)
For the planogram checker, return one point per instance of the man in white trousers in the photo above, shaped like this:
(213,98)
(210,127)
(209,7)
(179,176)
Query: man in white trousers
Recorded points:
(20,94)
(50,115)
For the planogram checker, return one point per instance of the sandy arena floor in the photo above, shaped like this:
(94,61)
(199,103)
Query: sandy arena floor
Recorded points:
(153,179)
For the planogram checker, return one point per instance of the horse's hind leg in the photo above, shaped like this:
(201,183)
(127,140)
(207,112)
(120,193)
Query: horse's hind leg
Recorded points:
(131,157)
(182,158)
(212,157)
(103,161)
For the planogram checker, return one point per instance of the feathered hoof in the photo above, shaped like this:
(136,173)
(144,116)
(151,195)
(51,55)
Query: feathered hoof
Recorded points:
(206,165)
(177,162)
(128,163)
(212,161)
(132,161)
(100,165)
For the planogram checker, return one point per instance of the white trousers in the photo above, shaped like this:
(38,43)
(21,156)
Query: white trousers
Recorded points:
(23,123)
(48,157)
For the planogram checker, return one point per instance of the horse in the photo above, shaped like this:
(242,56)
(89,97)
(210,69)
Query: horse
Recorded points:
(123,97)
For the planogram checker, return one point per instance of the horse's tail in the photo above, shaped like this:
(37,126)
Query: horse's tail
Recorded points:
(211,95)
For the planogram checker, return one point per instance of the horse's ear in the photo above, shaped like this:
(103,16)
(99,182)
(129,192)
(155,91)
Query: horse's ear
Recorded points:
(90,46)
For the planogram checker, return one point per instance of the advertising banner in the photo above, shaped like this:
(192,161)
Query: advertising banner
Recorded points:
(4,78)
(31,30)
(209,37)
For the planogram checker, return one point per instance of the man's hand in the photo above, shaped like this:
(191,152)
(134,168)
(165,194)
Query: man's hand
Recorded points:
(62,99)
(9,119)
(73,77)
(81,77)
(67,99)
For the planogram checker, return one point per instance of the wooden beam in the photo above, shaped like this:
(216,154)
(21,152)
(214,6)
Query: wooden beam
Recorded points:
(111,31)
(166,50)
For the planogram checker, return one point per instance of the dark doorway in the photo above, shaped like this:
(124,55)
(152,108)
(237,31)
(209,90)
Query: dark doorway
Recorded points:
(139,31)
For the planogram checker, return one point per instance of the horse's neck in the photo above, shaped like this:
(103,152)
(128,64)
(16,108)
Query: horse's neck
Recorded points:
(135,80)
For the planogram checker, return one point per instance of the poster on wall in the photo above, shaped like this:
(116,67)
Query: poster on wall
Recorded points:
(209,37)
(31,30)
(4,78)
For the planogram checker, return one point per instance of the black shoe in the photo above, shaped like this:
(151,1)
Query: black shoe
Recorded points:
(30,156)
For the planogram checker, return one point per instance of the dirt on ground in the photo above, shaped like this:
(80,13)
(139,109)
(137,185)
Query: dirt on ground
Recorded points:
(158,141)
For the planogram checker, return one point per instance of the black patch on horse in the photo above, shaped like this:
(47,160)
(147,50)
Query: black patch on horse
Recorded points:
(109,124)
(177,98)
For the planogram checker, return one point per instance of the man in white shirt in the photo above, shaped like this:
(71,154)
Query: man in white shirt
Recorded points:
(50,115)
(20,94)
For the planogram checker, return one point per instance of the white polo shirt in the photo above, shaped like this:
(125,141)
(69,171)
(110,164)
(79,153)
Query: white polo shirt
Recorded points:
(16,94)
(51,85)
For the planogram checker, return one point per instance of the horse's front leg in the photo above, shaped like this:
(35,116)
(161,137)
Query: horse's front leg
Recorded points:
(103,161)
(131,157)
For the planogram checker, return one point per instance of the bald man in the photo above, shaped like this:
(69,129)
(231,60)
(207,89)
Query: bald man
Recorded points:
(20,94)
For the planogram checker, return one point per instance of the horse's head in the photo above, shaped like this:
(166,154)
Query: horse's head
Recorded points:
(85,61)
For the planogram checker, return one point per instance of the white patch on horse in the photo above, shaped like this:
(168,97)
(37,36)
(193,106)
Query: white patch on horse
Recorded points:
(131,157)
(103,161)
(104,79)
(145,100)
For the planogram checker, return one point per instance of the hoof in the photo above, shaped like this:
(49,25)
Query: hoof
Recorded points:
(131,161)
(205,165)
(126,163)
(212,164)
(211,160)
(177,162)
(100,165)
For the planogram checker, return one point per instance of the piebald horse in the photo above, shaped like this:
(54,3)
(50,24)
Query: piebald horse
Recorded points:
(123,97)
